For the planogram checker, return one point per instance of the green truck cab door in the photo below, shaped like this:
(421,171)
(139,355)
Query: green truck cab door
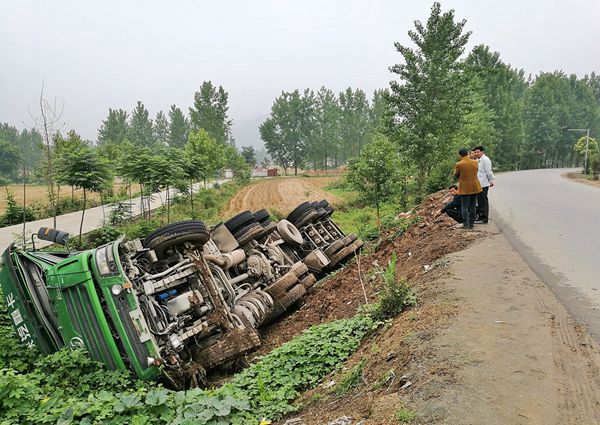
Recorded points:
(27,301)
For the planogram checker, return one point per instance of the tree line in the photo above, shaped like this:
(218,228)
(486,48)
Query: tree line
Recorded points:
(320,129)
(157,154)
(441,97)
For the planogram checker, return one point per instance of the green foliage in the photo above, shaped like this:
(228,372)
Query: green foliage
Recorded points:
(68,387)
(249,155)
(277,379)
(103,235)
(350,380)
(431,98)
(14,213)
(204,154)
(179,128)
(595,166)
(441,176)
(10,159)
(395,294)
(140,131)
(405,416)
(210,112)
(285,132)
(376,173)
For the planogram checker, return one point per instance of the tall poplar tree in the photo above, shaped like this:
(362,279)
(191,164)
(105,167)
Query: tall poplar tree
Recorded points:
(210,112)
(430,98)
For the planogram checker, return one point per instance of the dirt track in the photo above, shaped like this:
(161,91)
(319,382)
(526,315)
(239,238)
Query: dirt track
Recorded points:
(280,194)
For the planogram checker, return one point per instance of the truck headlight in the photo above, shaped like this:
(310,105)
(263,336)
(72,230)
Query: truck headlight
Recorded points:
(102,261)
(105,261)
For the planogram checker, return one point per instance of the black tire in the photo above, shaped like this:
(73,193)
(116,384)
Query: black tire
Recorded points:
(242,235)
(308,281)
(298,211)
(334,247)
(307,217)
(323,203)
(236,222)
(329,211)
(269,227)
(291,296)
(262,215)
(322,213)
(281,286)
(183,231)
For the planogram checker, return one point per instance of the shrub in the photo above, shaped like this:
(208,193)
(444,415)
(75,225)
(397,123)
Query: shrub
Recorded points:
(395,295)
(14,213)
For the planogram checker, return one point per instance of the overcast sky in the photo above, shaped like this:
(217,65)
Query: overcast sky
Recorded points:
(95,55)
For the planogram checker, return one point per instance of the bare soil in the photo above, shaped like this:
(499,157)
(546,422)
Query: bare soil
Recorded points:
(281,194)
(488,342)
(580,178)
(39,194)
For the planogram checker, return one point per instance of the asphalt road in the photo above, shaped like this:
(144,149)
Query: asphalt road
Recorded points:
(93,219)
(554,223)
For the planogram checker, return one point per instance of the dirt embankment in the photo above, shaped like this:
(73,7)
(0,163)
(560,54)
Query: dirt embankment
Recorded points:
(280,194)
(488,343)
(580,178)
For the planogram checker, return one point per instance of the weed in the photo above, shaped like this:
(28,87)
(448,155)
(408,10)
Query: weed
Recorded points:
(351,379)
(405,416)
(395,296)
(385,379)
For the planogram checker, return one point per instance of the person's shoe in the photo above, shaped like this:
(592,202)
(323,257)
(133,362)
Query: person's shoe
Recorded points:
(480,221)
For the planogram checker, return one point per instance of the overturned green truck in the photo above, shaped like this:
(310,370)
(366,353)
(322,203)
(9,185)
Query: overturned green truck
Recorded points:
(183,300)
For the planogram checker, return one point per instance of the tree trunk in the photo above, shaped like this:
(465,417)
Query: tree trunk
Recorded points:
(142,205)
(24,203)
(192,196)
(130,201)
(168,206)
(82,215)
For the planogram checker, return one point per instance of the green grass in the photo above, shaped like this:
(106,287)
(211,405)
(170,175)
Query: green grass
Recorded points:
(405,416)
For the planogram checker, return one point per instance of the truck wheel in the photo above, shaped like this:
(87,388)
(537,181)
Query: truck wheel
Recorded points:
(231,345)
(262,215)
(299,269)
(249,232)
(334,247)
(307,217)
(323,203)
(308,281)
(269,227)
(292,296)
(161,239)
(282,304)
(279,288)
(238,221)
(289,233)
(298,211)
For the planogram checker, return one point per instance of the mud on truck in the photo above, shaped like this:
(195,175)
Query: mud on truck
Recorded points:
(182,301)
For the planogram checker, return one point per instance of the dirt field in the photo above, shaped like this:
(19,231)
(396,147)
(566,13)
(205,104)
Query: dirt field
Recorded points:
(39,194)
(280,194)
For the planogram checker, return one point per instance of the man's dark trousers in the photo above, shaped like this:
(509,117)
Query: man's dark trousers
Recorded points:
(483,207)
(468,206)
(455,213)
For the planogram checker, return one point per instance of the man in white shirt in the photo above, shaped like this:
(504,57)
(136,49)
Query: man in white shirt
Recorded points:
(487,180)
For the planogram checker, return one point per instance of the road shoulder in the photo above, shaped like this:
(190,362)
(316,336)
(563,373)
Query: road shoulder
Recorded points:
(513,355)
